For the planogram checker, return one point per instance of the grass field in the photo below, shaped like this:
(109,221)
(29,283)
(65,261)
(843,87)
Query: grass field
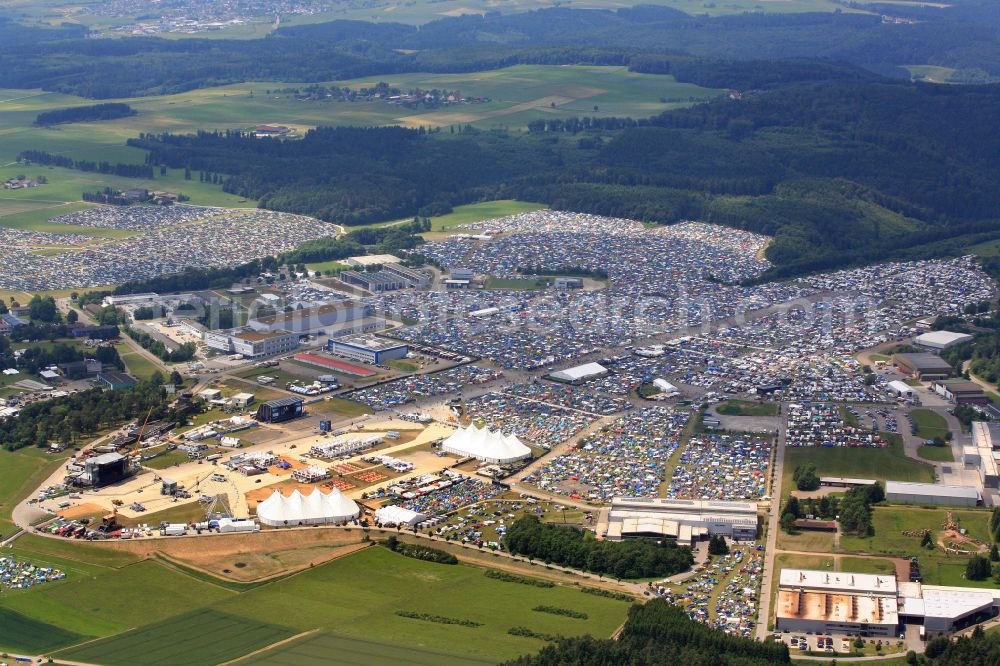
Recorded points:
(929,424)
(817,542)
(140,366)
(320,648)
(747,408)
(867,565)
(22,472)
(477,212)
(208,637)
(359,594)
(885,464)
(937,567)
(33,636)
(936,453)
(145,611)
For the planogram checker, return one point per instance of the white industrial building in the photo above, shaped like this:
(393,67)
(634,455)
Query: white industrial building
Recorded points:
(316,508)
(984,454)
(131,299)
(685,520)
(836,602)
(579,373)
(931,493)
(368,349)
(875,604)
(252,344)
(900,389)
(941,339)
(486,445)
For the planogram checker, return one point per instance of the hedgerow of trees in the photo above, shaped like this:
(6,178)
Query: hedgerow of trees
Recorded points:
(580,549)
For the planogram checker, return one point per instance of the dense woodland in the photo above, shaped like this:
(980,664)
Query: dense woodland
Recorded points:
(579,549)
(82,414)
(658,633)
(964,37)
(840,171)
(83,114)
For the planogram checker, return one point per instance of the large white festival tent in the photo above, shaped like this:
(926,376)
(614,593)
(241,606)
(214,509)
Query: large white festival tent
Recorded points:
(316,508)
(486,445)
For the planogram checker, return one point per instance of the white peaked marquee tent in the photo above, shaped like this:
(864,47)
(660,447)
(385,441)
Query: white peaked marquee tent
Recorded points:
(316,508)
(486,445)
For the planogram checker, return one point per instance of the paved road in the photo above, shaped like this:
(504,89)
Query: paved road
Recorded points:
(771,545)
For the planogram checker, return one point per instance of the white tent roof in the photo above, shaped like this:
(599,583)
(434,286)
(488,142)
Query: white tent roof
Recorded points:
(397,515)
(299,509)
(579,372)
(486,445)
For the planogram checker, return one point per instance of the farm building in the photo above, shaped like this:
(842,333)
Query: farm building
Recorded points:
(941,339)
(923,366)
(316,508)
(486,445)
(685,520)
(931,493)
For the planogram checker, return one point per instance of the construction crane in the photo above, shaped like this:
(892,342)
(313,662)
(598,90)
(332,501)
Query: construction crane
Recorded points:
(138,439)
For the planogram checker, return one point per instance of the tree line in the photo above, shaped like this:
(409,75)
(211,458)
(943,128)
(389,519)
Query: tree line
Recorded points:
(580,549)
(82,114)
(84,414)
(116,169)
(659,633)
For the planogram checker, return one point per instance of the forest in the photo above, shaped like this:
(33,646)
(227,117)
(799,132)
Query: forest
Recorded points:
(81,414)
(840,172)
(579,549)
(658,633)
(83,114)
(963,36)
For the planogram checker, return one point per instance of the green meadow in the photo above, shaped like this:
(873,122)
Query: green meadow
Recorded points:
(885,464)
(517,96)
(141,610)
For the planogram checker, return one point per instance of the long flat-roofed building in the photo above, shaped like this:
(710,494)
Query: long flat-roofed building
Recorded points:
(931,493)
(941,339)
(250,343)
(368,349)
(923,366)
(685,520)
(842,602)
(311,320)
(984,454)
